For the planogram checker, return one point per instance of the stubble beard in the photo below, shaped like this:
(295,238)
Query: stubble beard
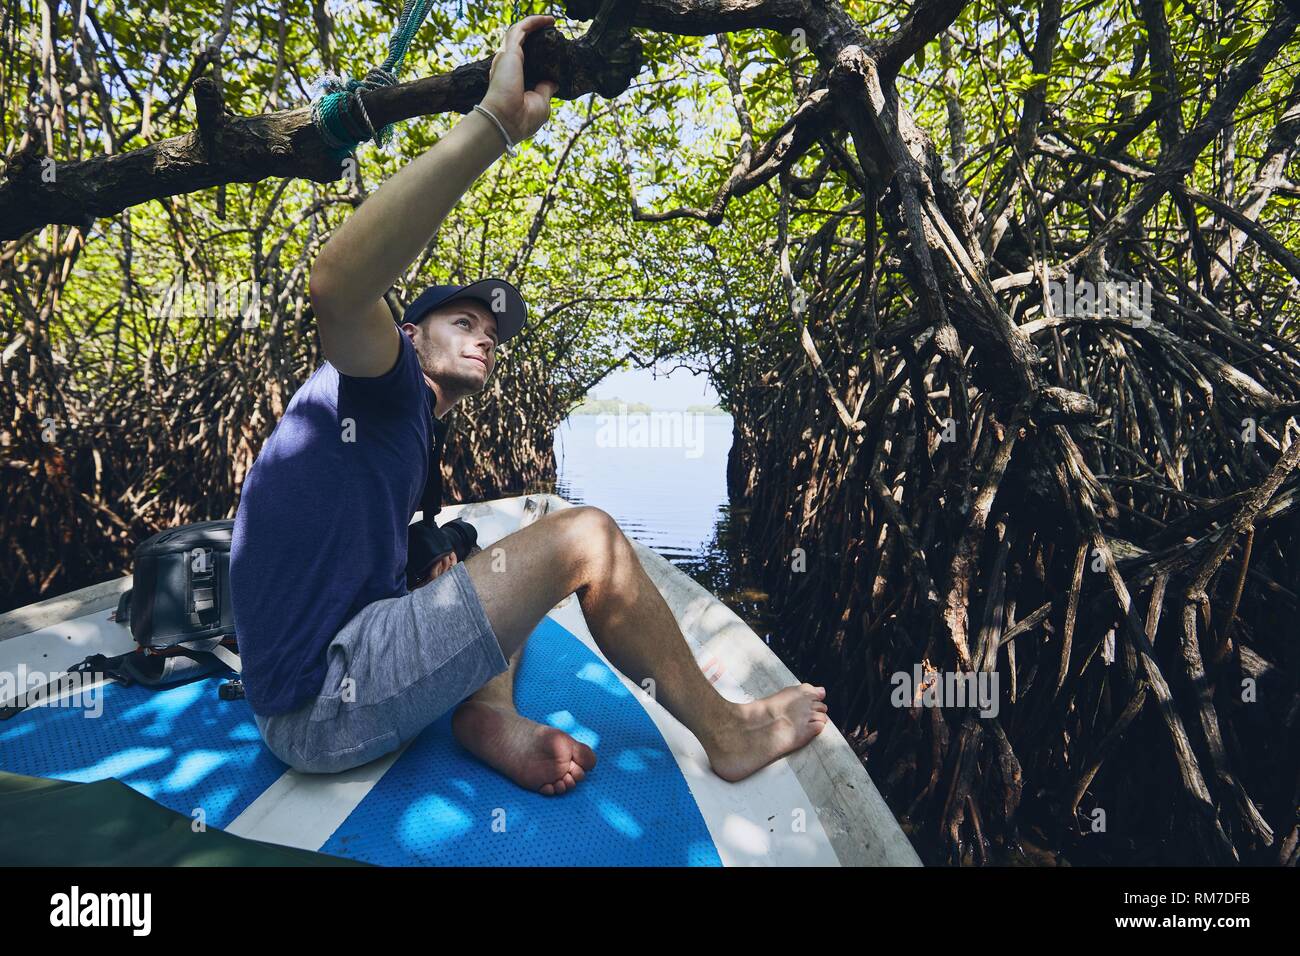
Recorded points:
(454,384)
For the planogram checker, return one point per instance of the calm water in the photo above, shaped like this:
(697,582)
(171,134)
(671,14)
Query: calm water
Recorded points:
(671,499)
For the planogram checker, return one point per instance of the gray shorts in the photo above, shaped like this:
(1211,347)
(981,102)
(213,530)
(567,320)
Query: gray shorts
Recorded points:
(393,669)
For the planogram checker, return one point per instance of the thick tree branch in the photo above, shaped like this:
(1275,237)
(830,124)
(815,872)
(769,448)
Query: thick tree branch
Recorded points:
(928,19)
(229,149)
(692,18)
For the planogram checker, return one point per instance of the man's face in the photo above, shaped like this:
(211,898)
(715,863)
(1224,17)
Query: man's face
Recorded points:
(456,344)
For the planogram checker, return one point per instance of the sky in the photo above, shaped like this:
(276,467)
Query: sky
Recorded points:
(668,391)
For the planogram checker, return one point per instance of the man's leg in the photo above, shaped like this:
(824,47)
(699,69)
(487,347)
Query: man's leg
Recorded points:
(582,550)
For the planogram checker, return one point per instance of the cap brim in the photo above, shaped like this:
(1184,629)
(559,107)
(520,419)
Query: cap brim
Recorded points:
(502,300)
(497,295)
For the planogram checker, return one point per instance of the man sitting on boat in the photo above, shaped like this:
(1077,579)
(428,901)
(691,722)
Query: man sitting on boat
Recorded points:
(342,662)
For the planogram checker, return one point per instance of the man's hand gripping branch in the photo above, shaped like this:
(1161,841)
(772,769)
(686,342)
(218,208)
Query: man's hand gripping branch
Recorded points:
(367,254)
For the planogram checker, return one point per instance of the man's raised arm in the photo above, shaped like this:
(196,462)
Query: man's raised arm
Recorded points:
(367,254)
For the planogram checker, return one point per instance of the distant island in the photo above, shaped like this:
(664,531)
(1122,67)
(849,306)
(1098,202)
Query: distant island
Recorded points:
(612,406)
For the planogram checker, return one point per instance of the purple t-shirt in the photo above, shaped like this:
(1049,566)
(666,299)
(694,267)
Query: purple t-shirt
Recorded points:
(321,527)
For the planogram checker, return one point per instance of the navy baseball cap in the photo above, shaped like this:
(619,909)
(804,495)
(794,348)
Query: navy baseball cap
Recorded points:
(498,296)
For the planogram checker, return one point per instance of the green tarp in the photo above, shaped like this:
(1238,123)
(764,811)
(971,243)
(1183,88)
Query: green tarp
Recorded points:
(47,822)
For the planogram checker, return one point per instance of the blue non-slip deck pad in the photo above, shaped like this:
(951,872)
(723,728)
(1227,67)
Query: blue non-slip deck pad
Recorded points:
(184,747)
(438,805)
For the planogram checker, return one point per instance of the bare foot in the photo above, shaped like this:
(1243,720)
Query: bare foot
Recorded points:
(767,730)
(535,756)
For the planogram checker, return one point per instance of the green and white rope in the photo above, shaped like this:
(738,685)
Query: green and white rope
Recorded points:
(338,113)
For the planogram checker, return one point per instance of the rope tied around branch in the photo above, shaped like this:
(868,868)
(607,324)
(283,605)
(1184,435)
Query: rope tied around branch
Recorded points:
(338,113)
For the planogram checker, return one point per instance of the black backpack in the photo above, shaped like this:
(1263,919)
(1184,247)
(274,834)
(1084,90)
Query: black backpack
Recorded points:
(179,610)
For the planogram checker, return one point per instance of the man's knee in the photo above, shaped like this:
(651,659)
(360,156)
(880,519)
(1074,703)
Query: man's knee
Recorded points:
(593,522)
(589,534)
